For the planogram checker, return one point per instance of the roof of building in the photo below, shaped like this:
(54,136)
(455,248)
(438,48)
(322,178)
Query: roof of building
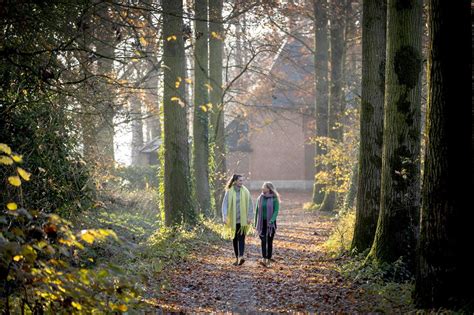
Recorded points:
(152,146)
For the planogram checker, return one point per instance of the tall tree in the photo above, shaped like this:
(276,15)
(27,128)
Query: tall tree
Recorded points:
(105,45)
(216,50)
(177,191)
(321,60)
(400,189)
(137,128)
(445,195)
(336,102)
(201,100)
(374,21)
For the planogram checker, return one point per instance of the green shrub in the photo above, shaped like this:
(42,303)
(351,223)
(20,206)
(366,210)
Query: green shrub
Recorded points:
(42,262)
(62,179)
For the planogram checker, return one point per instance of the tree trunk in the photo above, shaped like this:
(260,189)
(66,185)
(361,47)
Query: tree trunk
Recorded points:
(216,48)
(177,191)
(201,100)
(106,107)
(374,21)
(336,101)
(137,129)
(353,188)
(400,190)
(321,59)
(440,280)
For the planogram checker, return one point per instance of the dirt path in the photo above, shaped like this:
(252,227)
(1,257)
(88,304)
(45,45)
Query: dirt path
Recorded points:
(301,279)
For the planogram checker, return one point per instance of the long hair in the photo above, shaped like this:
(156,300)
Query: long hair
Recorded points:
(272,189)
(232,180)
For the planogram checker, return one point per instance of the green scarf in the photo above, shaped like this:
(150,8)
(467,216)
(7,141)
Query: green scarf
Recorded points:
(244,208)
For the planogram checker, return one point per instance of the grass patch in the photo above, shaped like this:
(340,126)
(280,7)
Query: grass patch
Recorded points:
(144,247)
(310,206)
(339,242)
(380,284)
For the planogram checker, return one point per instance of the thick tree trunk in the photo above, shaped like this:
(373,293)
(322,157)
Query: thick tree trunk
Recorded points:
(400,191)
(321,60)
(177,191)
(105,107)
(336,102)
(440,280)
(216,49)
(201,100)
(374,22)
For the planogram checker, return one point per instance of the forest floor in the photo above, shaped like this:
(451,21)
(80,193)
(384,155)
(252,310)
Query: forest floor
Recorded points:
(303,277)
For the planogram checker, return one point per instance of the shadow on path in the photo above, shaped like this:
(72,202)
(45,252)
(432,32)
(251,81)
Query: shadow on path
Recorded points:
(300,280)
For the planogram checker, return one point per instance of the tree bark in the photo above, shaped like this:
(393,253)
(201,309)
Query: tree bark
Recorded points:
(201,100)
(216,49)
(137,129)
(178,203)
(105,44)
(336,102)
(321,60)
(440,280)
(374,21)
(353,188)
(400,190)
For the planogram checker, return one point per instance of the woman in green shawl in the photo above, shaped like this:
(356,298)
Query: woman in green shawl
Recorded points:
(237,214)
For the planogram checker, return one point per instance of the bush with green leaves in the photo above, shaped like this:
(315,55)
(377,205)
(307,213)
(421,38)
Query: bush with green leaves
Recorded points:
(42,261)
(62,181)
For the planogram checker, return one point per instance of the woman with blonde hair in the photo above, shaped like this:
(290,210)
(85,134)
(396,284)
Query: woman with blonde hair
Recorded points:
(237,213)
(268,205)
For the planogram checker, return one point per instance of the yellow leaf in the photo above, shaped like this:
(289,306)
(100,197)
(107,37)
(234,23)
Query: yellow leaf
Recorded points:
(77,305)
(14,180)
(172,37)
(209,87)
(188,80)
(215,35)
(143,41)
(12,206)
(24,174)
(204,108)
(6,160)
(178,82)
(5,148)
(17,158)
(88,237)
(177,99)
(122,308)
(134,59)
(17,258)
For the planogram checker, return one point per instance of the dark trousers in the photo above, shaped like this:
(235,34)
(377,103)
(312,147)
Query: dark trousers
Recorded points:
(238,242)
(267,241)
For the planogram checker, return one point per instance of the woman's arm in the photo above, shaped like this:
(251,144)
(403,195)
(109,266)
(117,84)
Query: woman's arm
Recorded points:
(224,207)
(250,212)
(276,207)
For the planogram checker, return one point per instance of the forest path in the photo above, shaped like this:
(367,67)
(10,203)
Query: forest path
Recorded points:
(301,279)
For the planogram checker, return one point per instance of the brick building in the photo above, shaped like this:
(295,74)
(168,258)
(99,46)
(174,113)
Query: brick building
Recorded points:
(270,141)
